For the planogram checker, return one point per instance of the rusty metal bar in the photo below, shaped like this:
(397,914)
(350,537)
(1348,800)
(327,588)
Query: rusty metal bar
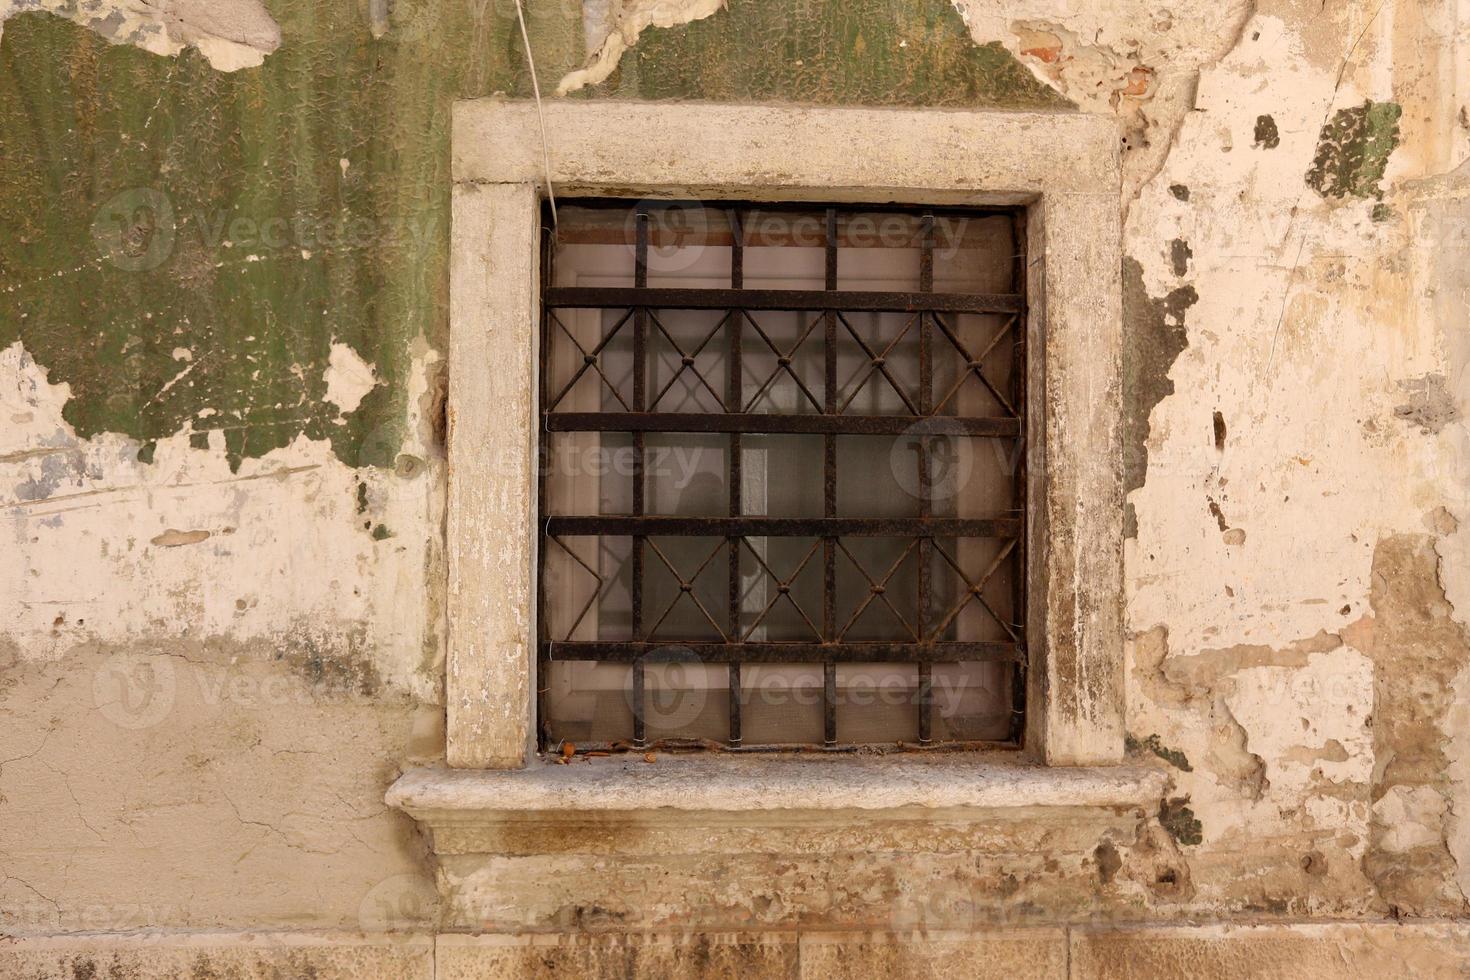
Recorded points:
(623,297)
(640,401)
(544,353)
(1020,487)
(782,527)
(925,704)
(829,491)
(789,652)
(758,422)
(734,399)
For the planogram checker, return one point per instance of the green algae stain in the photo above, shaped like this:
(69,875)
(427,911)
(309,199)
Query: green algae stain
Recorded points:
(1179,820)
(182,246)
(1353,150)
(1154,744)
(866,52)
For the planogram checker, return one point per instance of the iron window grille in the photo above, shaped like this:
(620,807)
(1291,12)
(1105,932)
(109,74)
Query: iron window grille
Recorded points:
(730,368)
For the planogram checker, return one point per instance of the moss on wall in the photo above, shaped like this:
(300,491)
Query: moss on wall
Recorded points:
(1353,150)
(872,52)
(1154,335)
(183,247)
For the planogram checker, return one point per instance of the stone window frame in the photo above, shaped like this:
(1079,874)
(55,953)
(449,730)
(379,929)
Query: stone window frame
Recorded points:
(1062,167)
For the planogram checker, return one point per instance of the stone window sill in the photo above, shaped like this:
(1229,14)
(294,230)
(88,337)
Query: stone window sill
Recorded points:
(721,842)
(761,784)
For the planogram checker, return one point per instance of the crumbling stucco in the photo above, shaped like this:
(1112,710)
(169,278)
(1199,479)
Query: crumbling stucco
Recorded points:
(1155,336)
(1430,405)
(207,674)
(1306,408)
(121,551)
(1418,650)
(348,377)
(1135,60)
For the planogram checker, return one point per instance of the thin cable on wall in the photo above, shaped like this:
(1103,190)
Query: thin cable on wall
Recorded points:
(540,115)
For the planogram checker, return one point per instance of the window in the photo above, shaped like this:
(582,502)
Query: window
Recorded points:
(782,479)
(1042,185)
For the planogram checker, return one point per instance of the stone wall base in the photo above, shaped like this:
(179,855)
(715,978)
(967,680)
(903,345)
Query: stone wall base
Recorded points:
(1321,950)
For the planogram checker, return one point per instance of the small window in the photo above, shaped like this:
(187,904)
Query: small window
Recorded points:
(783,487)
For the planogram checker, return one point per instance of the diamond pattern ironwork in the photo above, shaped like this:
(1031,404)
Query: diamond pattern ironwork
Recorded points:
(919,583)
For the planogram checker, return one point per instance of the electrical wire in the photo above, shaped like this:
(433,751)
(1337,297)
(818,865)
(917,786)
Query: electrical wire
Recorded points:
(540,114)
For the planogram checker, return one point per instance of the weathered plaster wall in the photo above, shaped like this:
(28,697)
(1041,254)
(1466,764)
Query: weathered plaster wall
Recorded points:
(223,296)
(1292,637)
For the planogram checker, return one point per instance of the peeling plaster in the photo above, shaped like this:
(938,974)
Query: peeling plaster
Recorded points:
(1308,313)
(1430,406)
(230,34)
(1179,820)
(1455,725)
(1268,137)
(1280,276)
(865,52)
(1131,59)
(84,510)
(1155,337)
(1152,744)
(1438,212)
(633,18)
(1418,652)
(348,378)
(174,538)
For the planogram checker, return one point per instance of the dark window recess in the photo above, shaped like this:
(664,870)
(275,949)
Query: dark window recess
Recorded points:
(782,482)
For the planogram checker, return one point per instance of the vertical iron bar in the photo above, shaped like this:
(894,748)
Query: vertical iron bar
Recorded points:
(543,459)
(1021,486)
(926,502)
(733,398)
(640,396)
(829,495)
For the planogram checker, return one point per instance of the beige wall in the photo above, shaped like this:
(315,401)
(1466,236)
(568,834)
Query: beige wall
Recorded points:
(209,676)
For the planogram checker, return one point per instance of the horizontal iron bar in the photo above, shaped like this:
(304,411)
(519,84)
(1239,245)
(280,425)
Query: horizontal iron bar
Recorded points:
(938,425)
(866,652)
(586,297)
(787,527)
(787,748)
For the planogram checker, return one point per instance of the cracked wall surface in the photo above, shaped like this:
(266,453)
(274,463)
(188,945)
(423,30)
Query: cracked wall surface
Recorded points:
(223,300)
